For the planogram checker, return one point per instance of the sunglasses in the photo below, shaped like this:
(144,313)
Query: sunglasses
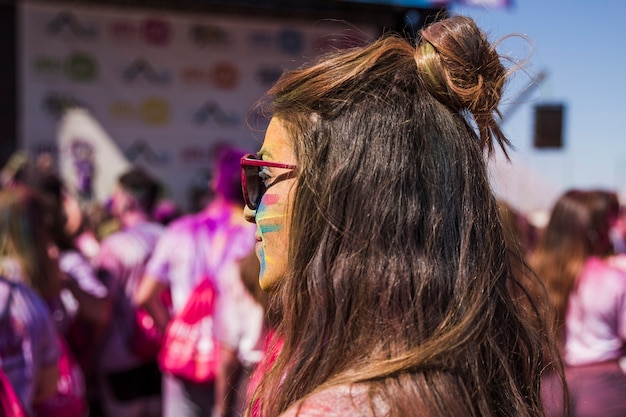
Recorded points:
(253,180)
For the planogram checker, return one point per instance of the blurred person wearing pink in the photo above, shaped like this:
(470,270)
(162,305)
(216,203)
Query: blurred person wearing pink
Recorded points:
(588,296)
(211,242)
(129,386)
(28,344)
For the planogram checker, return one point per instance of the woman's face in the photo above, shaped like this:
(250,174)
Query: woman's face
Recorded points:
(73,214)
(273,215)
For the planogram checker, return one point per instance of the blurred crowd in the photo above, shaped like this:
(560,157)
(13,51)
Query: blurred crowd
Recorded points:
(81,282)
(76,274)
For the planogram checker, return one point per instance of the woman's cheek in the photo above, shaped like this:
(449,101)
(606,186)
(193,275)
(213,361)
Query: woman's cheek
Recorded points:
(270,219)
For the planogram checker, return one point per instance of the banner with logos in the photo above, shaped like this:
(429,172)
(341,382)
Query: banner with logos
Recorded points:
(162,88)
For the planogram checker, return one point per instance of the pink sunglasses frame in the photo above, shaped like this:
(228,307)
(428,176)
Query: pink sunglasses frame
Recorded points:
(250,160)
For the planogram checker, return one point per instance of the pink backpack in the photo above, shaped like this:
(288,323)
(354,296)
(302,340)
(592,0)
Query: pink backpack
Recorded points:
(10,405)
(70,398)
(190,350)
(146,339)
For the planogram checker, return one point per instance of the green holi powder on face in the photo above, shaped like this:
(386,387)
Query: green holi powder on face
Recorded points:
(264,229)
(272,218)
(269,228)
(264,213)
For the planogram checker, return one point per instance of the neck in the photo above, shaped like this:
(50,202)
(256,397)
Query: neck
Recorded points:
(131,218)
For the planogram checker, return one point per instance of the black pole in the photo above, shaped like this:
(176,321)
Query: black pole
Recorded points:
(8,81)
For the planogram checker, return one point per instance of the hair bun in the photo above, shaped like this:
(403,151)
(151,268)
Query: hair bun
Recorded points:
(461,68)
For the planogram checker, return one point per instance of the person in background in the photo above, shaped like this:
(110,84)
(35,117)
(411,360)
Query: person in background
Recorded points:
(16,170)
(381,242)
(588,296)
(29,285)
(86,303)
(86,295)
(28,344)
(250,268)
(520,230)
(209,243)
(249,339)
(165,211)
(129,386)
(618,226)
(21,170)
(27,253)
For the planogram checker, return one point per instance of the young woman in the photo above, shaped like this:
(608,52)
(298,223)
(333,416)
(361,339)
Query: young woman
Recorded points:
(588,293)
(380,239)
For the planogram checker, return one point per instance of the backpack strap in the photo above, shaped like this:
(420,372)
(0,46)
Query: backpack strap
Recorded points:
(10,404)
(7,304)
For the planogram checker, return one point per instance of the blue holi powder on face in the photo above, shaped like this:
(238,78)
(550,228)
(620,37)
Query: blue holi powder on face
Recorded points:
(260,211)
(262,259)
(269,228)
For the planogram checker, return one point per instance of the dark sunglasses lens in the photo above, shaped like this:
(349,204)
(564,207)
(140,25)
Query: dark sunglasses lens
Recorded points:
(254,186)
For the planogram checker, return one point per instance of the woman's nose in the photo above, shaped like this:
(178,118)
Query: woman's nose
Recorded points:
(249,214)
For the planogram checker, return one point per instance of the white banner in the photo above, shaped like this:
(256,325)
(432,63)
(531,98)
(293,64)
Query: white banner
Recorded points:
(163,87)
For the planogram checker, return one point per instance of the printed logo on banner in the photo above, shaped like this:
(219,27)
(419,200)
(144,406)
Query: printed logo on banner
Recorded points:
(222,75)
(197,154)
(211,111)
(81,67)
(290,42)
(205,35)
(154,32)
(123,30)
(225,75)
(267,76)
(153,111)
(78,66)
(261,40)
(55,104)
(123,110)
(140,150)
(142,69)
(48,66)
(66,23)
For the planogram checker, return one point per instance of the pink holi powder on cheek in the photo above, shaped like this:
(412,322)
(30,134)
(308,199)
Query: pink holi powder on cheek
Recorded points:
(270,208)
(270,199)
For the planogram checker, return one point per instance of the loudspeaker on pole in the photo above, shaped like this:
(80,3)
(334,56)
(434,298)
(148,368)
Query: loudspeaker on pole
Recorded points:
(548,126)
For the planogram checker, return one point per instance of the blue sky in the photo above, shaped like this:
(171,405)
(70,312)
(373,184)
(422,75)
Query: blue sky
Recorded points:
(582,47)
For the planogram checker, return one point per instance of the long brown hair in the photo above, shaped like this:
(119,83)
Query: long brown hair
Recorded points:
(399,276)
(25,240)
(578,228)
